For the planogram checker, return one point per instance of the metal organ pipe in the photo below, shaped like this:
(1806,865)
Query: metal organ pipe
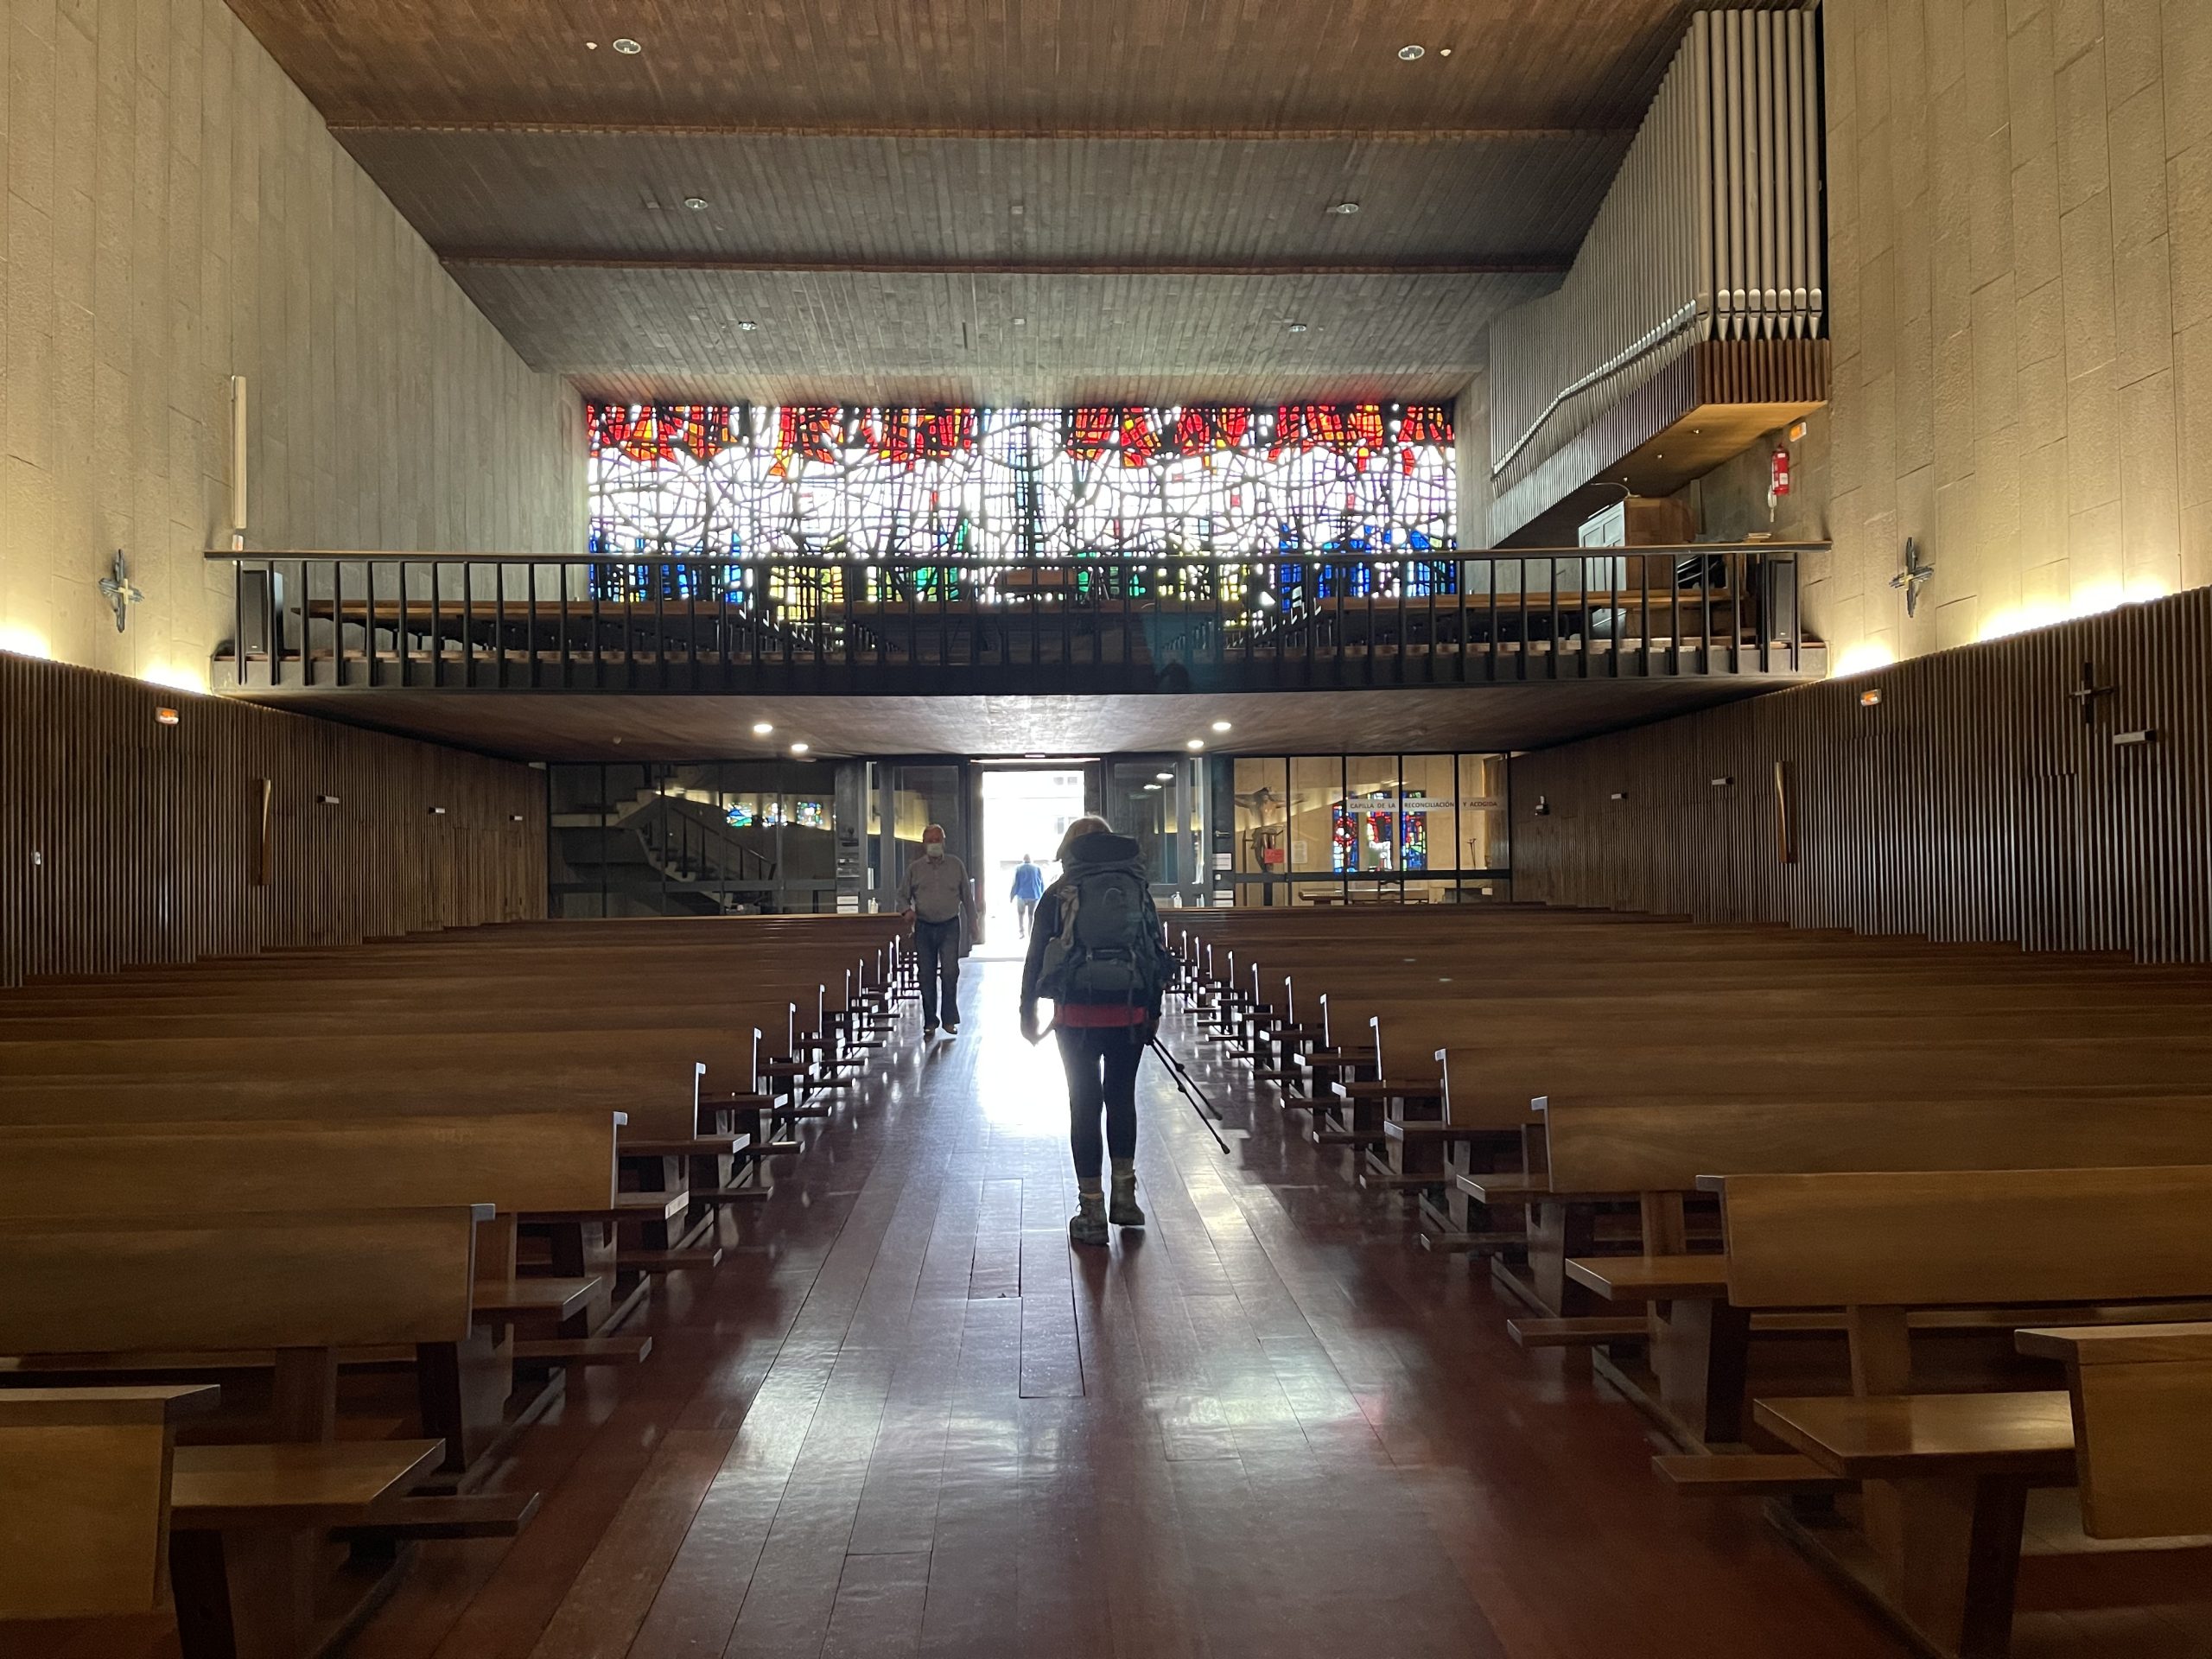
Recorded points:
(1712,229)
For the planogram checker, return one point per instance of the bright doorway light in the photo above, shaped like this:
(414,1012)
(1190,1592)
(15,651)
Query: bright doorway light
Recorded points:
(1026,811)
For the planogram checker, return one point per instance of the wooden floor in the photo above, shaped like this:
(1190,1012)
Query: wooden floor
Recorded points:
(901,1418)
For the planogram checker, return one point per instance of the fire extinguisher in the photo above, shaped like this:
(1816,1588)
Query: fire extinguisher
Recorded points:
(1777,483)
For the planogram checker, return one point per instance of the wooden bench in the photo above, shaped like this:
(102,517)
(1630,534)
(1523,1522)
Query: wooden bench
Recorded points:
(106,1511)
(1945,1481)
(1650,1159)
(549,1172)
(294,1291)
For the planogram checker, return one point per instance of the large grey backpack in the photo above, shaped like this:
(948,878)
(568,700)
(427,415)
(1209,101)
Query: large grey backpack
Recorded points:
(1103,949)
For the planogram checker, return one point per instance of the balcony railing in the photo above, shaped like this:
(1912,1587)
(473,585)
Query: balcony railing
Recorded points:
(690,624)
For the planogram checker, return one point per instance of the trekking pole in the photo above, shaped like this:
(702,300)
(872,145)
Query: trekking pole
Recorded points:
(1190,1091)
(1182,1075)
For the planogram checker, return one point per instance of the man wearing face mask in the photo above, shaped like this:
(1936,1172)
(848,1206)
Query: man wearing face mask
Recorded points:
(939,901)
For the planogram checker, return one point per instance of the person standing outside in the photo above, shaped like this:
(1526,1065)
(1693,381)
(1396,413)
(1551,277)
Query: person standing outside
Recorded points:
(1096,948)
(1028,888)
(940,901)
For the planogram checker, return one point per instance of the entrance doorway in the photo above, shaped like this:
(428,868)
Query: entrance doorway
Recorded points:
(1026,811)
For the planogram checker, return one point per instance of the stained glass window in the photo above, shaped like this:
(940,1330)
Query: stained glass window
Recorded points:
(999,484)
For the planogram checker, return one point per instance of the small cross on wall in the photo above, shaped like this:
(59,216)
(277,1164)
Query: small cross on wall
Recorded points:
(1915,576)
(2086,698)
(117,588)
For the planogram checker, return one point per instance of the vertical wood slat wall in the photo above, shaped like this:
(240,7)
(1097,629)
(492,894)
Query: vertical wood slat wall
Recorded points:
(124,841)
(1971,803)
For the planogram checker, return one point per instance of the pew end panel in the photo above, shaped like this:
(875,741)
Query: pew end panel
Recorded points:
(87,1475)
(2141,1397)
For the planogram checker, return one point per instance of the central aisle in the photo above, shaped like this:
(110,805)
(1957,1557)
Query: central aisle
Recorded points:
(901,1418)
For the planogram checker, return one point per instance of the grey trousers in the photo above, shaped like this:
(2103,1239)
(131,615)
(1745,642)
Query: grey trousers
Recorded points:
(938,945)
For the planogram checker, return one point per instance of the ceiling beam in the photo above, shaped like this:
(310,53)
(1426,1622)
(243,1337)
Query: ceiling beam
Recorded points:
(1005,267)
(1235,135)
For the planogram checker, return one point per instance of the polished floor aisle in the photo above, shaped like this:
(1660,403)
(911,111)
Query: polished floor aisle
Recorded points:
(901,1418)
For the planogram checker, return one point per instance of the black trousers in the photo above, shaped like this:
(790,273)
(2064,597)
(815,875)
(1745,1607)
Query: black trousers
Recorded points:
(1101,1066)
(938,944)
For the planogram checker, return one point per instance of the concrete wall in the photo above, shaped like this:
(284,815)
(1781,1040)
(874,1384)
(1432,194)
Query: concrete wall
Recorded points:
(174,213)
(2020,222)
(1471,435)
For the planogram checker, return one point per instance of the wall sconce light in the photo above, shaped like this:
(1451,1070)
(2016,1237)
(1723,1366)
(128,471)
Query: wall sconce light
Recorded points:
(437,811)
(1722,783)
(1620,795)
(514,817)
(1543,806)
(2149,734)
(326,800)
(1870,697)
(165,716)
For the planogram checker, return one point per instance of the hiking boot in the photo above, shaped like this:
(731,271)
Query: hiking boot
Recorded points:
(1088,1224)
(1123,1211)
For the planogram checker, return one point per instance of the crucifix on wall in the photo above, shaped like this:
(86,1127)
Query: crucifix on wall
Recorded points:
(2084,699)
(117,588)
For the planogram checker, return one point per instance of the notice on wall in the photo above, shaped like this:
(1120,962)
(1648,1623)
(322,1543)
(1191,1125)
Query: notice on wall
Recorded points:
(1224,861)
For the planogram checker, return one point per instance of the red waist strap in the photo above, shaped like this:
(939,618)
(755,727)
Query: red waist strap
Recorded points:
(1090,1016)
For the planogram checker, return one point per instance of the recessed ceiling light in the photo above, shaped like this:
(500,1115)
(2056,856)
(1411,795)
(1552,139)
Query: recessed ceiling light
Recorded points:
(746,325)
(1409,53)
(798,748)
(697,204)
(1164,777)
(761,728)
(1347,208)
(1296,328)
(630,48)
(1022,322)
(1017,210)
(1221,725)
(591,46)
(1443,51)
(1196,743)
(1152,785)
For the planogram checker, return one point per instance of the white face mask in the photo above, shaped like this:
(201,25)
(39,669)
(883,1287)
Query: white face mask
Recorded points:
(933,849)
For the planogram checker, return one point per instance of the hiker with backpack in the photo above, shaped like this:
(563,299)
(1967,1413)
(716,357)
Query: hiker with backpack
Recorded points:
(1096,951)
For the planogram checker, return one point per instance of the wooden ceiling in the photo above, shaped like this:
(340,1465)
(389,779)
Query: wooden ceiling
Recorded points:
(859,337)
(889,184)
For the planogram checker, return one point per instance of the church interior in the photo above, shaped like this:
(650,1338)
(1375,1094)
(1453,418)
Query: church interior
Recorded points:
(1161,830)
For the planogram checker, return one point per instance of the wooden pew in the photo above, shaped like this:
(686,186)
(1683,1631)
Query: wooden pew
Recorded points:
(553,1172)
(106,1513)
(294,1288)
(1946,1477)
(1650,1159)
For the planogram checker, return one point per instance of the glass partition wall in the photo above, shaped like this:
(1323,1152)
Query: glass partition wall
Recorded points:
(706,839)
(1421,828)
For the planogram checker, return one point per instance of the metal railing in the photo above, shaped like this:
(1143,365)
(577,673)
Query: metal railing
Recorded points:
(691,623)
